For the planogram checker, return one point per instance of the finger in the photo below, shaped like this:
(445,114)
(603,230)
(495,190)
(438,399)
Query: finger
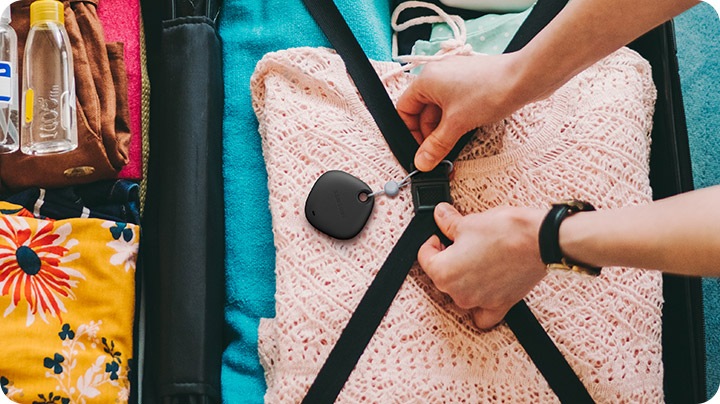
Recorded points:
(409,107)
(429,120)
(486,319)
(412,121)
(431,248)
(417,135)
(413,124)
(447,219)
(433,259)
(411,102)
(435,147)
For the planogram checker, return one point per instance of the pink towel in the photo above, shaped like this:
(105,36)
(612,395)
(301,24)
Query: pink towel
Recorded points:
(121,22)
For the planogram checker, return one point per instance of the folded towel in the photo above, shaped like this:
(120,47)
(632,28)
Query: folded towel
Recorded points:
(121,22)
(249,29)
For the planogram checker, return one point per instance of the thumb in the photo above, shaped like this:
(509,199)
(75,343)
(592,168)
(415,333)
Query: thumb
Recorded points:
(486,319)
(447,219)
(435,147)
(428,251)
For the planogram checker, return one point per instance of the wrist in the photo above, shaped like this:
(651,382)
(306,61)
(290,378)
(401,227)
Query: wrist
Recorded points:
(576,238)
(520,75)
(552,249)
(527,82)
(526,222)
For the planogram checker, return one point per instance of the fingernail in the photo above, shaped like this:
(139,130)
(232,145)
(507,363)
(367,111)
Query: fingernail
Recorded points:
(424,158)
(442,210)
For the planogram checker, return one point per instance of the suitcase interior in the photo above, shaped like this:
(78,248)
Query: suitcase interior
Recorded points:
(683,334)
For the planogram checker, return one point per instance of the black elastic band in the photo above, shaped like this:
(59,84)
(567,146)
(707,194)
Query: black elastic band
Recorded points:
(546,356)
(374,304)
(370,311)
(540,16)
(397,135)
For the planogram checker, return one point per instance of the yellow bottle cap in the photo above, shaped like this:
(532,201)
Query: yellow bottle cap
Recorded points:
(46,11)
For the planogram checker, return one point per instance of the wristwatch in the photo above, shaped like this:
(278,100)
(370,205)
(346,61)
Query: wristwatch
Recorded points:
(550,251)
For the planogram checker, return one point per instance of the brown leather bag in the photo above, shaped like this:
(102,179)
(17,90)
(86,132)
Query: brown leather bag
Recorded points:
(102,106)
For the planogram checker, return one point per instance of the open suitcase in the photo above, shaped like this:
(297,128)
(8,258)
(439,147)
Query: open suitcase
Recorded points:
(184,335)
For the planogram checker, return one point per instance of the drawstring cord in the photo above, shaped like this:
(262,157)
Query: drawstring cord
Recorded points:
(454,46)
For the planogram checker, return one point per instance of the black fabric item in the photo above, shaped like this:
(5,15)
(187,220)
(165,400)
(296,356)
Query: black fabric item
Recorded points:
(185,240)
(370,311)
(142,386)
(116,200)
(173,9)
(374,304)
(189,399)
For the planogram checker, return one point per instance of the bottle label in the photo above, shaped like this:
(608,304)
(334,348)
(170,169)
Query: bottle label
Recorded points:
(6,82)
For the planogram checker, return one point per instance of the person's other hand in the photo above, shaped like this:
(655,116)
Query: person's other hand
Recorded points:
(455,95)
(493,263)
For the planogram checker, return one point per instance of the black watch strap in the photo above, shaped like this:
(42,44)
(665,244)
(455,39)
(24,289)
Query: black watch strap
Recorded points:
(549,237)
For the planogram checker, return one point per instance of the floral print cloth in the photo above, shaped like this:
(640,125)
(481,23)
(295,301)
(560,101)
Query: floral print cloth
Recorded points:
(67,298)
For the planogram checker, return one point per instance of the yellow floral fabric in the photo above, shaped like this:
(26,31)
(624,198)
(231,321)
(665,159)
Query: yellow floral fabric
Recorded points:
(67,300)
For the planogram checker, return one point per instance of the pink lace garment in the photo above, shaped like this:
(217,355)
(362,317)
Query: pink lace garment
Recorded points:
(590,140)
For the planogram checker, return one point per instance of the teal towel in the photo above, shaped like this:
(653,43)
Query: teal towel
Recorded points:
(698,43)
(249,29)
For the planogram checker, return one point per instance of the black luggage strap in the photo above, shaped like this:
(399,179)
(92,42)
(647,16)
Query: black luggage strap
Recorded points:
(428,190)
(370,311)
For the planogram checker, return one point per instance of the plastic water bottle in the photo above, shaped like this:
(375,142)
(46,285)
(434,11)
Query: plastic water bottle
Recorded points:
(49,111)
(8,85)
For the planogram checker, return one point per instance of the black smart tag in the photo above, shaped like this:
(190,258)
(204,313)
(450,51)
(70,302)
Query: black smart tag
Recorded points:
(338,205)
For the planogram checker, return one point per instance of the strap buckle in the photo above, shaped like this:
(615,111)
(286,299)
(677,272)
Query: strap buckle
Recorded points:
(430,188)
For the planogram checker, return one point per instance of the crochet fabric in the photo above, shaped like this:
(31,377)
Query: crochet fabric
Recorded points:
(590,140)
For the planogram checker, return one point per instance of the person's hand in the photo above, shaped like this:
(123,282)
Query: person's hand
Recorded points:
(493,263)
(455,95)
